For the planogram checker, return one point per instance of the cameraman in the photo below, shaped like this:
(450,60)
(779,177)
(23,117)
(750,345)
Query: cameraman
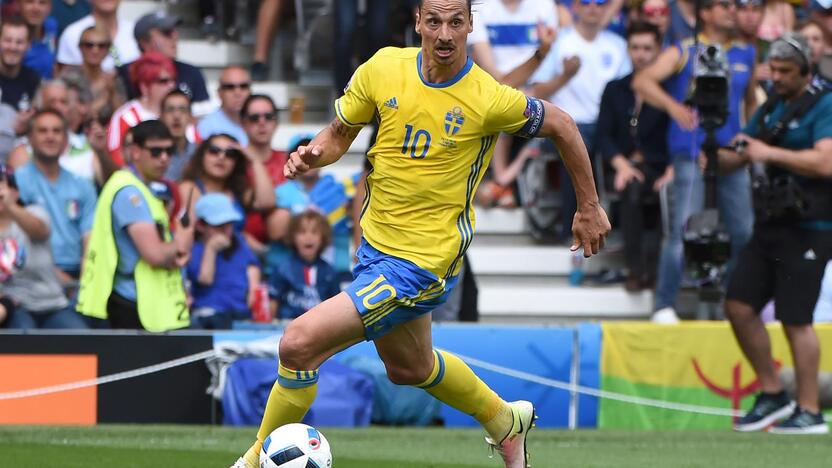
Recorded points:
(675,68)
(791,138)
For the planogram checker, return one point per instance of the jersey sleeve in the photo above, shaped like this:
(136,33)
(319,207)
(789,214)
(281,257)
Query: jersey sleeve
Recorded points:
(356,107)
(515,113)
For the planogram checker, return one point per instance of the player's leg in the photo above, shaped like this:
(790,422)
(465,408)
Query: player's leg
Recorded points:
(307,342)
(408,355)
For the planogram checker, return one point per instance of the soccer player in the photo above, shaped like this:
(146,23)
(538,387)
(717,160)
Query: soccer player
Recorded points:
(439,117)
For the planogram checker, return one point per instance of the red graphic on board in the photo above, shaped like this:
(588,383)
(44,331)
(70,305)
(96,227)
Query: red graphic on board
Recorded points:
(737,391)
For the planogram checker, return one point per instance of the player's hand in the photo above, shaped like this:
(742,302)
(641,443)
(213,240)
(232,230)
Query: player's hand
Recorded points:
(590,226)
(571,66)
(302,160)
(546,36)
(683,115)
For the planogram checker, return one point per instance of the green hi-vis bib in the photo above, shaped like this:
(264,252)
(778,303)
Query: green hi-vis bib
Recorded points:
(160,294)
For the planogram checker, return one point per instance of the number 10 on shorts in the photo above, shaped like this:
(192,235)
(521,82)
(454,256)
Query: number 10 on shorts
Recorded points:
(378,287)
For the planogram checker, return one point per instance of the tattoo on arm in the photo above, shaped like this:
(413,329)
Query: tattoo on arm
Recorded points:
(344,131)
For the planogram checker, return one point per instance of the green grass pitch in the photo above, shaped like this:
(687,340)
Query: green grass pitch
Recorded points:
(202,447)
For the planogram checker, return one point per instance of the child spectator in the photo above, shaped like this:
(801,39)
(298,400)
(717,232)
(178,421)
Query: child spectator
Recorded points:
(304,280)
(223,271)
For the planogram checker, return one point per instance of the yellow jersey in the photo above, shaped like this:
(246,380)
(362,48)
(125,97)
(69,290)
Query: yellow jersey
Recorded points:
(434,144)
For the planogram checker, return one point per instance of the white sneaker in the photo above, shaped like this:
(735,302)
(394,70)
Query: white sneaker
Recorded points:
(513,447)
(665,316)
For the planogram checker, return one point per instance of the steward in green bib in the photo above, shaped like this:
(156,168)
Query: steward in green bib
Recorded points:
(131,273)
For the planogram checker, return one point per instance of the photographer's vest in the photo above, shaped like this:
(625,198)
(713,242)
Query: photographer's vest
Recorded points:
(159,291)
(791,127)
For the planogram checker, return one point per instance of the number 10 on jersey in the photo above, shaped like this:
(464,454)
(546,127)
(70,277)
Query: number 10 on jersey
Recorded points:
(412,142)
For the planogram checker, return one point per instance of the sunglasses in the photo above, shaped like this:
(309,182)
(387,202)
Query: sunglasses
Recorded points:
(95,45)
(157,151)
(267,116)
(656,11)
(596,2)
(233,86)
(231,153)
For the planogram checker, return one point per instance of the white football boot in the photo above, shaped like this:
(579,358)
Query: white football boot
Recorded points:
(513,447)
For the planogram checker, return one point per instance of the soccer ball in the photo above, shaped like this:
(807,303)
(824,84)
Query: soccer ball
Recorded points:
(295,446)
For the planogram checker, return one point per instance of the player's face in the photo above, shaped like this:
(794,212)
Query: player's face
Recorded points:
(786,78)
(642,49)
(444,26)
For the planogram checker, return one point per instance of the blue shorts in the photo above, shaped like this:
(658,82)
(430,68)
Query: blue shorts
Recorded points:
(389,290)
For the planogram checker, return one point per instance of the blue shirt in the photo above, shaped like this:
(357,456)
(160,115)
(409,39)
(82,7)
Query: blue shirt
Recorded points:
(41,54)
(300,286)
(229,292)
(741,60)
(129,207)
(217,122)
(68,12)
(70,202)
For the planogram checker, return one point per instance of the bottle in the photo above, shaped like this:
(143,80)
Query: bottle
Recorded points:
(576,275)
(260,310)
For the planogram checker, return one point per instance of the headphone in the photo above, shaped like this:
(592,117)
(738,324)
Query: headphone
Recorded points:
(802,52)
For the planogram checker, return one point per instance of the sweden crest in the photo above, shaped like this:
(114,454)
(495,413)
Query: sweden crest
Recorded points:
(454,121)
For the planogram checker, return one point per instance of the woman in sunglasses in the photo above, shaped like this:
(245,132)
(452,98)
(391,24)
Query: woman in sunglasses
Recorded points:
(657,13)
(219,165)
(106,89)
(154,75)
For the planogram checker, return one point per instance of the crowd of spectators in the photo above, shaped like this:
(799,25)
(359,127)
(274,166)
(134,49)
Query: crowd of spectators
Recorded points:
(90,99)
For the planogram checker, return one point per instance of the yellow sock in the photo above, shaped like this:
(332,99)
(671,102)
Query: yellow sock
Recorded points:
(455,384)
(290,399)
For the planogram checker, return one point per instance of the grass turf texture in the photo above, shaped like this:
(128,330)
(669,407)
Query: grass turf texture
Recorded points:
(200,446)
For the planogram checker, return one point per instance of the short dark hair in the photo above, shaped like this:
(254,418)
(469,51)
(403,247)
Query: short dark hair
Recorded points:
(176,92)
(16,21)
(150,130)
(643,27)
(256,97)
(46,111)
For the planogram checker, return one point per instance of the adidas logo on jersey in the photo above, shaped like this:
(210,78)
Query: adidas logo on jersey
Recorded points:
(392,103)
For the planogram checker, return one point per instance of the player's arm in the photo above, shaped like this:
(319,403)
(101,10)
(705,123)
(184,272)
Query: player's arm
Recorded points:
(648,83)
(327,147)
(590,224)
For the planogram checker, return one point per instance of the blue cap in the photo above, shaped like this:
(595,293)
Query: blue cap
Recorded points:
(216,209)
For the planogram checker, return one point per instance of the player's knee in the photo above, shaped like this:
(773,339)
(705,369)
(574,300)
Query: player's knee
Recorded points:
(737,311)
(407,375)
(296,350)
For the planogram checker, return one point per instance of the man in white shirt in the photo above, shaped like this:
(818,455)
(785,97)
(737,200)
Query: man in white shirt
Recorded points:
(104,13)
(573,76)
(511,37)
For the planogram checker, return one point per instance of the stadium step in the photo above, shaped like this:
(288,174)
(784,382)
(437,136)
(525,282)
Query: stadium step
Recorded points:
(536,298)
